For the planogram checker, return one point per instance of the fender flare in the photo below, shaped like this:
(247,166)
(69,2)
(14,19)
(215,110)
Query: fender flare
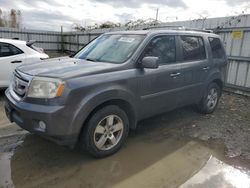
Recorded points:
(95,99)
(215,75)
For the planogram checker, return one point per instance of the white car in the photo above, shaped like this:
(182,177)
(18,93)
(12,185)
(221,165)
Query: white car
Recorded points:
(14,53)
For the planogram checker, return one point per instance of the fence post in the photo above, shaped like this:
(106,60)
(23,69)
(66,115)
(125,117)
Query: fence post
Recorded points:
(78,43)
(89,37)
(62,49)
(28,36)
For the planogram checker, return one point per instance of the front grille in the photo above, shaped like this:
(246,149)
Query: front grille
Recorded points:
(19,85)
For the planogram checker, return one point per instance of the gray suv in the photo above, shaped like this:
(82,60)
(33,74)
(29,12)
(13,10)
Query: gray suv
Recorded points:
(96,96)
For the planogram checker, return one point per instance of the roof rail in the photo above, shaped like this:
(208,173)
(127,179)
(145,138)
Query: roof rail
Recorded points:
(165,26)
(171,27)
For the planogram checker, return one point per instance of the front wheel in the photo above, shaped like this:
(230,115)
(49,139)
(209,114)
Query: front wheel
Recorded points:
(106,131)
(210,99)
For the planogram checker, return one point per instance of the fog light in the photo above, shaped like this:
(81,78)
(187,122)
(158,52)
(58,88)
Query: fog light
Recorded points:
(42,125)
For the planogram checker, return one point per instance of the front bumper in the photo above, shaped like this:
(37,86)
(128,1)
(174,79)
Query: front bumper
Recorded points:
(28,116)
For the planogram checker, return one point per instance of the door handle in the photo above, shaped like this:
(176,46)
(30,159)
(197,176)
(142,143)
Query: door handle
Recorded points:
(205,68)
(16,61)
(175,74)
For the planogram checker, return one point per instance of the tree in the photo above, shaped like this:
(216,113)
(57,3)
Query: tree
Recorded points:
(13,18)
(19,19)
(108,24)
(78,27)
(3,21)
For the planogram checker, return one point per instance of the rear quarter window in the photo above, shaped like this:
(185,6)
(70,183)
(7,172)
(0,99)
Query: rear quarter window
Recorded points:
(37,49)
(216,47)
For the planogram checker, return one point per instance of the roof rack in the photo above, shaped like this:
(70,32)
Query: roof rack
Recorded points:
(182,28)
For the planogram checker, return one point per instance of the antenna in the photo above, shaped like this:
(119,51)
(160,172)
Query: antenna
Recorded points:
(157,11)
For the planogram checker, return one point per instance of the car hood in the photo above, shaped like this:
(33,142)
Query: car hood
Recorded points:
(65,67)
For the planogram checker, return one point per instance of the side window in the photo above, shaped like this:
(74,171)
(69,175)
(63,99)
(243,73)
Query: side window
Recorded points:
(162,47)
(193,48)
(217,50)
(8,50)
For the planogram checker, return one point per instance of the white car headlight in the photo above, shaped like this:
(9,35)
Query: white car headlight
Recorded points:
(45,88)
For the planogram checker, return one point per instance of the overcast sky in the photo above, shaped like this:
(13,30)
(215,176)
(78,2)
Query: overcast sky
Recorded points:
(51,14)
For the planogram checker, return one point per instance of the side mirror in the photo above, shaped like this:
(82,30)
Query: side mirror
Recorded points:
(150,62)
(72,54)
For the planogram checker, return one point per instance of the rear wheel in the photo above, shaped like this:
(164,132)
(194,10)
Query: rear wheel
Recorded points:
(106,131)
(210,99)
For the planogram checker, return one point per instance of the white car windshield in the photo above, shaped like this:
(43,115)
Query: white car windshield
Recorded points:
(112,48)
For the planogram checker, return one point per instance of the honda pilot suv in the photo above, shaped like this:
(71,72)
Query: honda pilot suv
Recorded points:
(93,98)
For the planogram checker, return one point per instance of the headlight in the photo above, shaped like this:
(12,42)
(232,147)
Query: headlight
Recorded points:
(45,88)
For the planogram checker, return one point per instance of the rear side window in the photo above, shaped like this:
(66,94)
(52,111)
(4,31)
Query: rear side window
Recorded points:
(162,47)
(193,48)
(33,47)
(9,50)
(217,50)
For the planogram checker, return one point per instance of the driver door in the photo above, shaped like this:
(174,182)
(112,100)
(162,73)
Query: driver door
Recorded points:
(159,88)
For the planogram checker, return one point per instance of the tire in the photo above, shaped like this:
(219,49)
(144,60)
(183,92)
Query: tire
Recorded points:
(105,132)
(212,93)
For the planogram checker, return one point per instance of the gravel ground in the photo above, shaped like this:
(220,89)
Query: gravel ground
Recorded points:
(229,124)
(3,119)
(226,130)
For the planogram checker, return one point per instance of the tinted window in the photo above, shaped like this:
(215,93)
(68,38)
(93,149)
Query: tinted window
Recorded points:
(8,50)
(162,47)
(217,50)
(193,48)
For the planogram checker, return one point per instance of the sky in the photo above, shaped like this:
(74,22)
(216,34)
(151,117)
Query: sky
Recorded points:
(52,14)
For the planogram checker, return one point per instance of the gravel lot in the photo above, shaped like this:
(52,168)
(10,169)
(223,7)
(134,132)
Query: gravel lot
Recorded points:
(229,124)
(226,130)
(3,119)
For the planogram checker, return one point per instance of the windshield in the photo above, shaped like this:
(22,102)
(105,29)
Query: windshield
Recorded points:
(111,48)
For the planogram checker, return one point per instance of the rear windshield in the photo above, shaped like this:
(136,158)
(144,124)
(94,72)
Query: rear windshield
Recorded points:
(217,49)
(112,48)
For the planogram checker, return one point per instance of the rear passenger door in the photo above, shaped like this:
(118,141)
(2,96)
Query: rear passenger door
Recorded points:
(10,58)
(194,68)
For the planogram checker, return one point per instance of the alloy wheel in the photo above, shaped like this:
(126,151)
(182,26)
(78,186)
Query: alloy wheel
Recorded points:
(108,132)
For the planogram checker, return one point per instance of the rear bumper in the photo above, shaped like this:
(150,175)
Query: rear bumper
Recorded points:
(28,116)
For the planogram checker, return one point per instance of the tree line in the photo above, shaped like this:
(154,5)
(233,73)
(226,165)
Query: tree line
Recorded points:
(12,19)
(129,24)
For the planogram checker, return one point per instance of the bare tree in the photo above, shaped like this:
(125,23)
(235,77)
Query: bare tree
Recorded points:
(2,21)
(78,27)
(19,19)
(13,18)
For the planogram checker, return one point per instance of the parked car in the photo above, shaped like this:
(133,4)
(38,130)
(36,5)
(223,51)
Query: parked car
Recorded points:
(95,97)
(15,52)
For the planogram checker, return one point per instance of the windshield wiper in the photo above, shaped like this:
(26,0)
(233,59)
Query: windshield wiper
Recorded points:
(89,59)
